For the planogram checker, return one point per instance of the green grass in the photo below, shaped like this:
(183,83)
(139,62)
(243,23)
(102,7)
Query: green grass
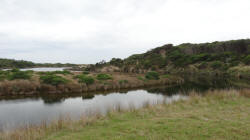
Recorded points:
(218,115)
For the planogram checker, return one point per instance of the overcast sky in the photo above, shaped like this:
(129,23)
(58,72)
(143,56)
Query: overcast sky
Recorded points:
(88,31)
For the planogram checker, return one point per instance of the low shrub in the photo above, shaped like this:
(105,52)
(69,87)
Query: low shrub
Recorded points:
(85,79)
(52,79)
(123,82)
(17,74)
(64,72)
(152,75)
(103,76)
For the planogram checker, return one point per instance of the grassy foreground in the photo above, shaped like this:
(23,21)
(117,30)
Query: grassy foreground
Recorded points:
(221,114)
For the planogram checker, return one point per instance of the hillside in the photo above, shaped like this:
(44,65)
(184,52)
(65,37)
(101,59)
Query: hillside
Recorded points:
(214,56)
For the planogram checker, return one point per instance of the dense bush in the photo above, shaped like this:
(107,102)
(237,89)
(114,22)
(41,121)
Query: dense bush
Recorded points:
(152,75)
(116,62)
(53,79)
(85,79)
(9,63)
(64,72)
(103,76)
(17,74)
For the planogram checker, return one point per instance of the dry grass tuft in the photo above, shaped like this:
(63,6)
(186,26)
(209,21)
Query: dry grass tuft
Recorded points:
(245,93)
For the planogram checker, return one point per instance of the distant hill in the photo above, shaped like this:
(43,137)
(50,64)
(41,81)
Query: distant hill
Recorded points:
(11,63)
(216,55)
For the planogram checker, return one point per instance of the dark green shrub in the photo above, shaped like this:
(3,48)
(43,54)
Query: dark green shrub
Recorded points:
(216,64)
(103,76)
(152,75)
(15,70)
(64,72)
(85,79)
(53,79)
(17,74)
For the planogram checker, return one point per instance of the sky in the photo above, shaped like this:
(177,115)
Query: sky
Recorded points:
(88,31)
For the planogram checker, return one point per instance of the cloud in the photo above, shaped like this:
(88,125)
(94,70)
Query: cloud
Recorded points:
(87,31)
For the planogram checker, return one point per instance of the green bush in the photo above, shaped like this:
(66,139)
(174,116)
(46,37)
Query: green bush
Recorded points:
(85,79)
(53,79)
(152,75)
(103,76)
(64,72)
(17,74)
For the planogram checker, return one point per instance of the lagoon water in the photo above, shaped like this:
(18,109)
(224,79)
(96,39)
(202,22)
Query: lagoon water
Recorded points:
(18,112)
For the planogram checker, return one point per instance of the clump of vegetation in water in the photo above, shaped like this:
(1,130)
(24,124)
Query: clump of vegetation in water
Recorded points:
(152,75)
(17,74)
(85,79)
(52,79)
(103,76)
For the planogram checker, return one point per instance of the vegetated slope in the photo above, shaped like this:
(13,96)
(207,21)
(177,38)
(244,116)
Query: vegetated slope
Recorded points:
(11,63)
(216,55)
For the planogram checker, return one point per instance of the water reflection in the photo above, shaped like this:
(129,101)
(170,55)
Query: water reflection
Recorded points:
(22,111)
